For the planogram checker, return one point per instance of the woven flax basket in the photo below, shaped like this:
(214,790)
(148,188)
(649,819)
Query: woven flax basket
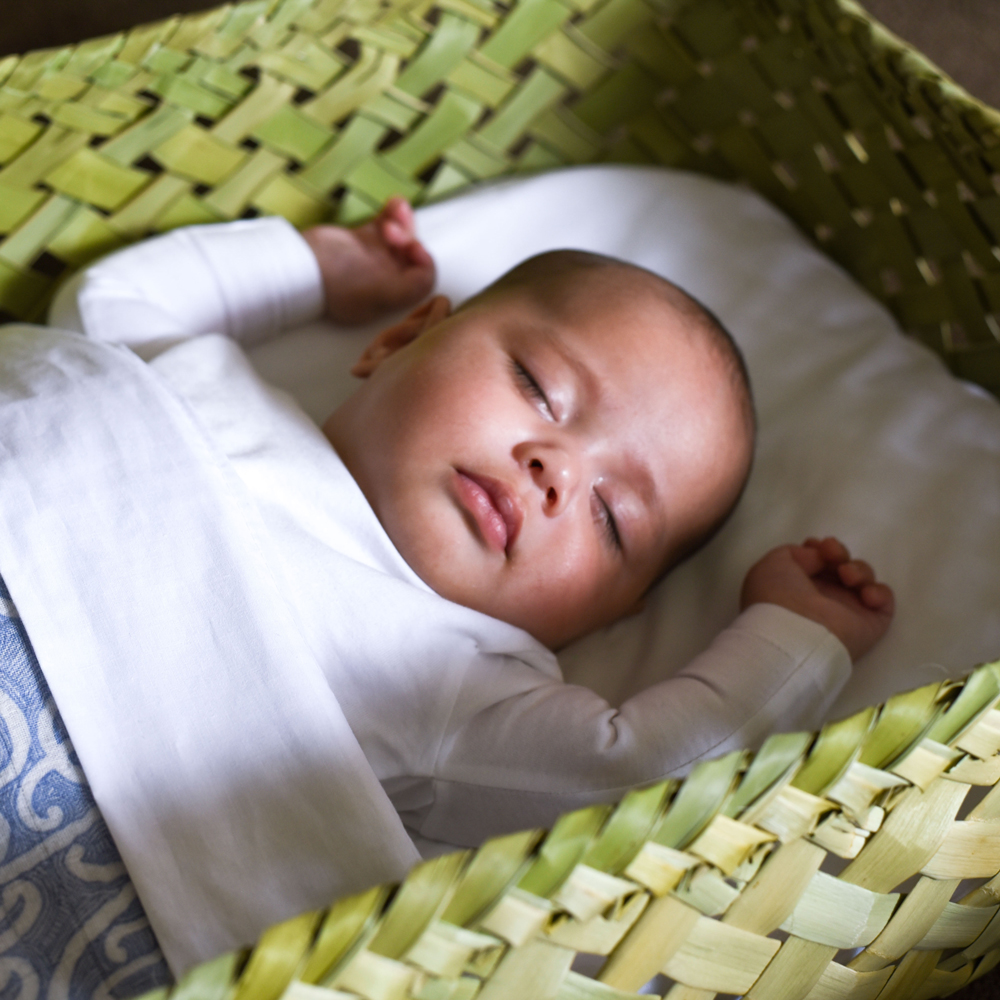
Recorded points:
(320,109)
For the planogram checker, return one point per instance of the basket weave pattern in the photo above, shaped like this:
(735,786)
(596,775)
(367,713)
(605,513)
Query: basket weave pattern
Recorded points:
(692,880)
(322,108)
(759,874)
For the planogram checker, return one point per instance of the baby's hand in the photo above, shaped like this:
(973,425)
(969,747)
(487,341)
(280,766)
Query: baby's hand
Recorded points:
(820,581)
(374,269)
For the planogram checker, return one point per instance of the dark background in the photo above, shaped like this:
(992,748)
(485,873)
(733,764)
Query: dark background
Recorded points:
(961,36)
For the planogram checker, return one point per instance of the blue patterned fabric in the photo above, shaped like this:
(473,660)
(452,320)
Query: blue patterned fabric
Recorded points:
(71,926)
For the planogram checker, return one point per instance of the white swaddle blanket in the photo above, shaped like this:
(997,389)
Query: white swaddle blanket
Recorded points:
(144,580)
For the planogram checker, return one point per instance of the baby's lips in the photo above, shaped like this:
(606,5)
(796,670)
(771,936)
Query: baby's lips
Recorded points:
(494,505)
(508,504)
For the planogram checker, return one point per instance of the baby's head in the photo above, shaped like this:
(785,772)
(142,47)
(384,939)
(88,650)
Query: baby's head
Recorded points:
(550,449)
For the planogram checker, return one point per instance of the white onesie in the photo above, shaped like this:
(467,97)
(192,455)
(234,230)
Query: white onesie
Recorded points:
(465,720)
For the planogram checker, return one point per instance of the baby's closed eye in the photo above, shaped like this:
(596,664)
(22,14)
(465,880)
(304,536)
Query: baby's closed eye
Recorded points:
(606,518)
(530,385)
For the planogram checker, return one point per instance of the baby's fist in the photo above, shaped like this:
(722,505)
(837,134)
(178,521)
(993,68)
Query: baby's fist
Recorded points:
(820,581)
(373,269)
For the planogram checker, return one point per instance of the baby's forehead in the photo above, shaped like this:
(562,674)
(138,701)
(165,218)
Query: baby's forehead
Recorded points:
(621,296)
(615,314)
(599,281)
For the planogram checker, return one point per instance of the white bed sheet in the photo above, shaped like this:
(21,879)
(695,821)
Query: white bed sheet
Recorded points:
(864,434)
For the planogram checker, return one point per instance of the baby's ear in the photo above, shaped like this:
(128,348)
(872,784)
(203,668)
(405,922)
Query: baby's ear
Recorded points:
(392,338)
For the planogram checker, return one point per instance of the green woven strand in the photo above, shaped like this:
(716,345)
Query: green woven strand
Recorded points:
(977,696)
(421,897)
(493,869)
(838,744)
(445,49)
(562,849)
(772,764)
(699,799)
(628,828)
(904,721)
(347,925)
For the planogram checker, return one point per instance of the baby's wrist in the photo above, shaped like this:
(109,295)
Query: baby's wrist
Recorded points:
(798,636)
(816,616)
(323,245)
(792,607)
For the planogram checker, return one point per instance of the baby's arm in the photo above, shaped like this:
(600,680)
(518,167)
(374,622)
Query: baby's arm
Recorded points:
(821,582)
(522,747)
(247,279)
(519,760)
(244,279)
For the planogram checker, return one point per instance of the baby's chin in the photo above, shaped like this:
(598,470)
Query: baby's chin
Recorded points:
(545,617)
(441,546)
(438,547)
(460,573)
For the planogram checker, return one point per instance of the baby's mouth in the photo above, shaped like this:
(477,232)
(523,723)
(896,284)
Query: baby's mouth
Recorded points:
(494,506)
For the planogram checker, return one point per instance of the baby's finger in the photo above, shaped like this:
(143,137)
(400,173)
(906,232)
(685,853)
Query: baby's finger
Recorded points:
(878,597)
(808,558)
(394,234)
(417,254)
(415,284)
(855,573)
(834,551)
(396,224)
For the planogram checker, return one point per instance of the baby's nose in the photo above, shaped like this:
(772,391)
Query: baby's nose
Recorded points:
(552,472)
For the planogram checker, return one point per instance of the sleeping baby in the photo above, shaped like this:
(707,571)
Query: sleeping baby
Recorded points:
(508,476)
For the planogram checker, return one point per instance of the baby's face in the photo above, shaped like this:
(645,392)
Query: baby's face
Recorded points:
(541,465)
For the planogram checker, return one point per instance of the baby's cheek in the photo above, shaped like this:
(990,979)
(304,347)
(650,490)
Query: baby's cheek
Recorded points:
(579,588)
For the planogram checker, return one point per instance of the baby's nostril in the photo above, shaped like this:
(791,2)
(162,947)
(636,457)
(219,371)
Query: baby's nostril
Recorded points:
(535,463)
(550,494)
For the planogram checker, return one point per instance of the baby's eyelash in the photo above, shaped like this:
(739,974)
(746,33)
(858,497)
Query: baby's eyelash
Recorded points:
(609,525)
(528,383)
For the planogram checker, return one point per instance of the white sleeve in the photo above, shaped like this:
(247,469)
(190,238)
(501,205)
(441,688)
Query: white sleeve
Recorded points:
(549,747)
(245,279)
